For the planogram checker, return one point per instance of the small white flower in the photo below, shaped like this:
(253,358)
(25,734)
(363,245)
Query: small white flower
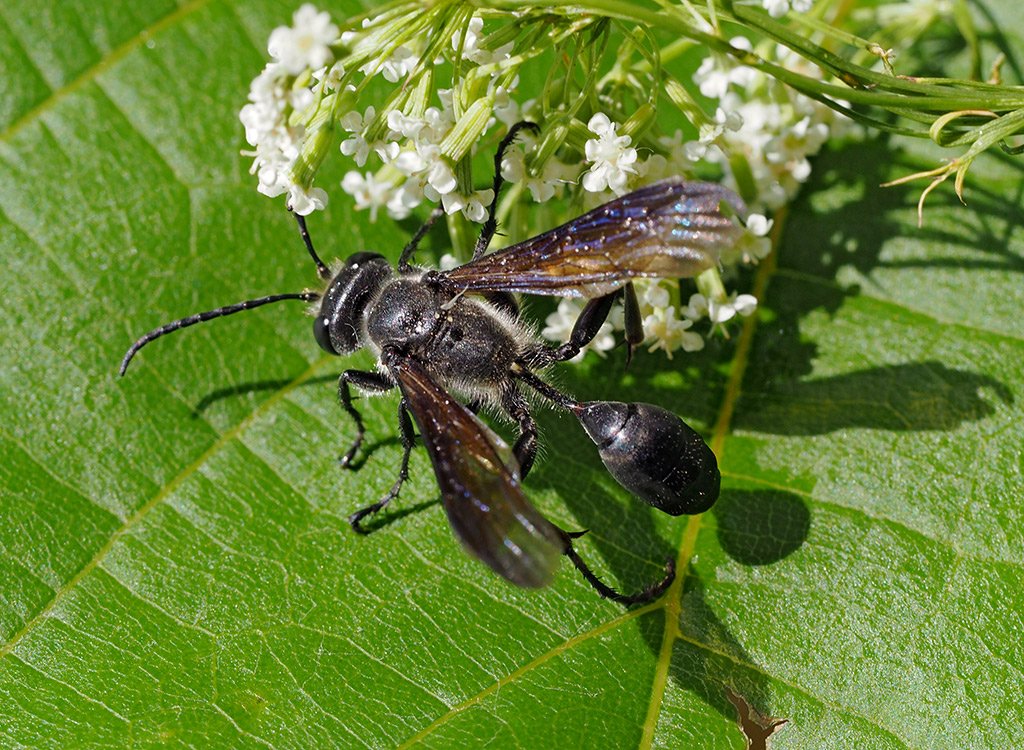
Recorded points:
(656,296)
(428,129)
(667,332)
(439,175)
(725,122)
(720,311)
(513,164)
(306,43)
(403,125)
(405,198)
(506,109)
(304,201)
(472,37)
(331,77)
(368,191)
(471,49)
(612,158)
(718,73)
(473,206)
(654,168)
(400,64)
(554,174)
(759,225)
(753,245)
(744,304)
(356,146)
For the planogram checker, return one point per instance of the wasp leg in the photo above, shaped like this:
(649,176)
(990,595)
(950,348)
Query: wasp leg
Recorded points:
(366,381)
(408,436)
(409,249)
(583,332)
(525,449)
(491,225)
(648,594)
(634,324)
(321,267)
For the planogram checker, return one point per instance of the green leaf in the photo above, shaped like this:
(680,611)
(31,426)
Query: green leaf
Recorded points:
(175,564)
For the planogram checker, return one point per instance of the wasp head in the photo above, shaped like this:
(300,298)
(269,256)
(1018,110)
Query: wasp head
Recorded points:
(338,324)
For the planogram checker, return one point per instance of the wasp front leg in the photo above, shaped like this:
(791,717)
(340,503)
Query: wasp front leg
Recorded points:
(491,223)
(408,436)
(372,382)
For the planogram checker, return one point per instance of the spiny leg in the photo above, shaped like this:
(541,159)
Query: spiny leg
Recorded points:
(491,225)
(410,248)
(408,436)
(367,381)
(584,330)
(647,594)
(525,449)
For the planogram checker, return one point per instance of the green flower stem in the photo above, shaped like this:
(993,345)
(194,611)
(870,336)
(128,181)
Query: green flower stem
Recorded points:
(709,283)
(887,92)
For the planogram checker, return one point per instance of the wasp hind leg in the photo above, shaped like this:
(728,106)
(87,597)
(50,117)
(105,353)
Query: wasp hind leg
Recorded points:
(525,449)
(586,327)
(647,594)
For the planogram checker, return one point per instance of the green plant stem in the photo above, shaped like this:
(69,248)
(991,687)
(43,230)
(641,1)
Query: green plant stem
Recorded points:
(867,87)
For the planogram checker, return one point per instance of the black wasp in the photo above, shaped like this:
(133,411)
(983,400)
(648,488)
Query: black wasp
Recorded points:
(441,332)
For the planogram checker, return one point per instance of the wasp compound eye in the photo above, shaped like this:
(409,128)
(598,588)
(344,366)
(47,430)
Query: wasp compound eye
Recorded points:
(339,321)
(653,454)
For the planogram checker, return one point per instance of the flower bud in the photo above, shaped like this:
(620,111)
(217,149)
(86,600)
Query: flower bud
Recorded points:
(467,131)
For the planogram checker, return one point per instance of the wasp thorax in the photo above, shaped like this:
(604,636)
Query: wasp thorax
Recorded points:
(406,312)
(337,325)
(653,454)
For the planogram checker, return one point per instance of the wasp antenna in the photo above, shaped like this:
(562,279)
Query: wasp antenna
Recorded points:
(321,267)
(202,317)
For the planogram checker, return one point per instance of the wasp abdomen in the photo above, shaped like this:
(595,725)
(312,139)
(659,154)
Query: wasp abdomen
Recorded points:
(653,454)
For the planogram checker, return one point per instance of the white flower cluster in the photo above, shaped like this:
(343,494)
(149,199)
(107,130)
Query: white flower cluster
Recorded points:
(421,139)
(272,98)
(774,128)
(415,165)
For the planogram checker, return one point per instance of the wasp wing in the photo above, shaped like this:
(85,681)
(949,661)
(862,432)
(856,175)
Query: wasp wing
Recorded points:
(479,481)
(671,229)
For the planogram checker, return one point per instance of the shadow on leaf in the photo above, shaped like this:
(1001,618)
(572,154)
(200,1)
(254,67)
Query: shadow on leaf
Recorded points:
(252,387)
(760,527)
(914,396)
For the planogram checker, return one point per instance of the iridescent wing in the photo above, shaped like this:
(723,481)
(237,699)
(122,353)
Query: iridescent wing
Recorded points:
(479,481)
(671,229)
